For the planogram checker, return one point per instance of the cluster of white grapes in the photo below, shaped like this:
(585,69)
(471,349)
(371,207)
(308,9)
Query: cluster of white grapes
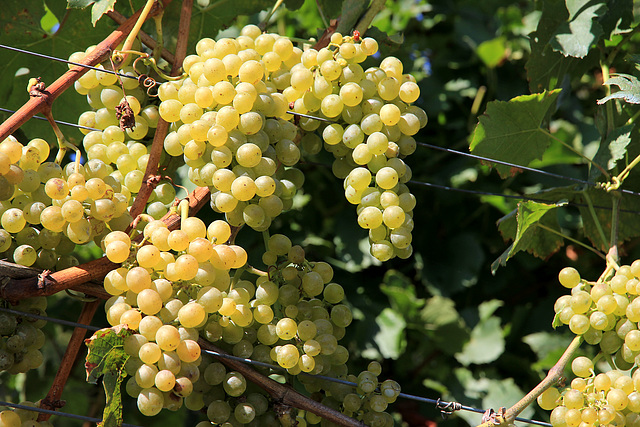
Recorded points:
(40,224)
(373,131)
(604,313)
(178,287)
(230,122)
(21,337)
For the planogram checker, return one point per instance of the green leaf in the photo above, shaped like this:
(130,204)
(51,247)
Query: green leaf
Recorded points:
(100,7)
(79,4)
(629,89)
(486,343)
(492,52)
(530,237)
(618,18)
(510,131)
(330,8)
(445,325)
(351,12)
(612,149)
(112,414)
(548,347)
(505,393)
(439,311)
(401,293)
(546,68)
(576,36)
(106,358)
(391,339)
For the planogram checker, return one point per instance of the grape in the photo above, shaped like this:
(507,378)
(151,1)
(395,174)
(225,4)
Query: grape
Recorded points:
(150,401)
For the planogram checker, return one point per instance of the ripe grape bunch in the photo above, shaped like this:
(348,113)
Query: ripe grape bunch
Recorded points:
(603,313)
(230,122)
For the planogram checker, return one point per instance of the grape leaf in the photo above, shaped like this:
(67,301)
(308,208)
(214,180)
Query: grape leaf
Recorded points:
(510,131)
(576,36)
(486,343)
(106,357)
(391,338)
(492,52)
(547,68)
(629,89)
(401,293)
(618,18)
(521,225)
(100,7)
(612,149)
(351,11)
(20,23)
(330,8)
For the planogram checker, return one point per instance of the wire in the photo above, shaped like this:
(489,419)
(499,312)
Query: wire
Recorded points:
(322,119)
(49,319)
(62,414)
(500,162)
(445,407)
(53,58)
(514,196)
(6,110)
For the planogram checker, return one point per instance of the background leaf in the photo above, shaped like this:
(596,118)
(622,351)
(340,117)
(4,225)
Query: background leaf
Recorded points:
(576,36)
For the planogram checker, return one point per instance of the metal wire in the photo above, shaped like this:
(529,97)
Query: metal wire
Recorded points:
(513,165)
(322,119)
(60,122)
(514,196)
(62,414)
(445,407)
(49,319)
(53,58)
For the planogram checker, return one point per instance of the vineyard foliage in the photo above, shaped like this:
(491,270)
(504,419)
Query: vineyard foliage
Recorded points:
(468,316)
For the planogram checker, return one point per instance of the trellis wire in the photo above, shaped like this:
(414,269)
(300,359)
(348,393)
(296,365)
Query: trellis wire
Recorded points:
(526,168)
(62,414)
(446,408)
(53,58)
(515,196)
(60,122)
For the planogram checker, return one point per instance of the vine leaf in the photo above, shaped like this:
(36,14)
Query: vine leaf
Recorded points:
(612,149)
(547,68)
(100,7)
(391,338)
(106,358)
(510,131)
(576,36)
(527,236)
(486,343)
(629,89)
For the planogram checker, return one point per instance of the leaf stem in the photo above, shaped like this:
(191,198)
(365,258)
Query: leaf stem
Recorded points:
(615,219)
(555,138)
(363,24)
(128,43)
(596,221)
(265,21)
(571,239)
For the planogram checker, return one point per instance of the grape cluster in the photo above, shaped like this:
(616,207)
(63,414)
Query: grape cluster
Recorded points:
(34,230)
(121,144)
(21,337)
(22,417)
(373,131)
(610,398)
(605,313)
(230,123)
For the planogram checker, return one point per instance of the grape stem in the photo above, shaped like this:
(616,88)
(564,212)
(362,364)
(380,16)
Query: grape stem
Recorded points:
(553,376)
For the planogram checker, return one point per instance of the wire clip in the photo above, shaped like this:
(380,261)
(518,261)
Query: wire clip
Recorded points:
(447,408)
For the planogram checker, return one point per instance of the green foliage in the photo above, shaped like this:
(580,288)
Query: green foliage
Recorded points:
(106,358)
(99,8)
(510,131)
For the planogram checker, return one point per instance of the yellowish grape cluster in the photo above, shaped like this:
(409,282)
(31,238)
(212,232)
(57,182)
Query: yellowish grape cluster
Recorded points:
(373,131)
(605,312)
(46,210)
